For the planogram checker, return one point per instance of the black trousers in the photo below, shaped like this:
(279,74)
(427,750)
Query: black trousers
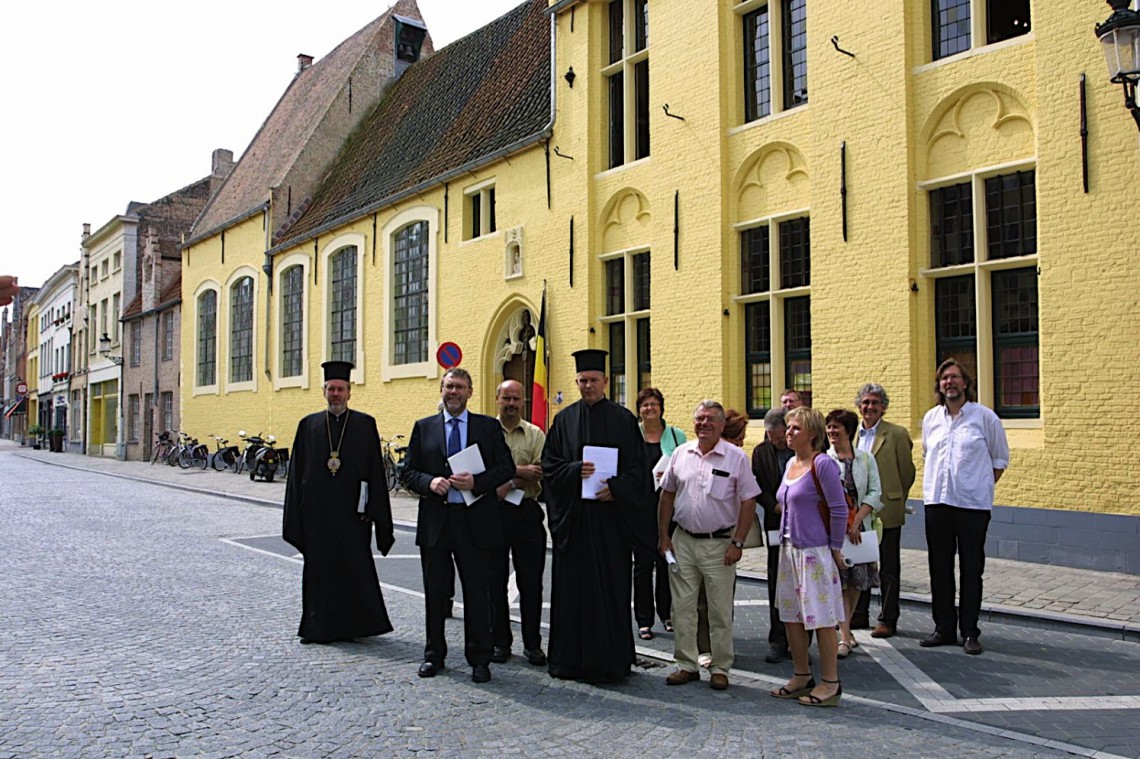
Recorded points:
(777,635)
(526,543)
(890,577)
(650,586)
(951,530)
(474,565)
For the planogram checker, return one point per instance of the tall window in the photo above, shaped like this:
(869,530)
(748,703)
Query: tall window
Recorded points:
(241,330)
(480,211)
(342,304)
(410,294)
(957,25)
(627,81)
(167,335)
(167,410)
(786,88)
(627,324)
(985,295)
(777,310)
(292,320)
(132,417)
(207,338)
(115,305)
(136,343)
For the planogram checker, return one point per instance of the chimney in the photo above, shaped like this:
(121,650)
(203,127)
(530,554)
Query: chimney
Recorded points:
(303,62)
(86,231)
(221,163)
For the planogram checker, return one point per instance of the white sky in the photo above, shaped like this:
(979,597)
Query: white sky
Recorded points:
(118,100)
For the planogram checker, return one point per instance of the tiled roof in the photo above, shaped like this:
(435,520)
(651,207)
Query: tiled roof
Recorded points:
(476,96)
(171,294)
(284,134)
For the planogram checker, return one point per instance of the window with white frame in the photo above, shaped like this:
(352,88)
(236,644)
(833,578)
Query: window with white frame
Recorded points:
(958,25)
(116,303)
(292,320)
(410,294)
(207,338)
(626,322)
(241,330)
(775,56)
(479,211)
(775,286)
(342,304)
(983,258)
(627,81)
(136,343)
(167,400)
(132,418)
(167,336)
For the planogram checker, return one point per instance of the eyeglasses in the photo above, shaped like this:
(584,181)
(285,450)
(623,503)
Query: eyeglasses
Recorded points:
(708,419)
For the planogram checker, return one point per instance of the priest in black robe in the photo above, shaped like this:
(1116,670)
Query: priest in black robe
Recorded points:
(336,494)
(591,628)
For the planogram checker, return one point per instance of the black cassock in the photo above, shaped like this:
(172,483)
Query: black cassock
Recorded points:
(340,592)
(591,631)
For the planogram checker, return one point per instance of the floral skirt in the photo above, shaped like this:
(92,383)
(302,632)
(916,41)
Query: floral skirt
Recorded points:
(861,576)
(808,590)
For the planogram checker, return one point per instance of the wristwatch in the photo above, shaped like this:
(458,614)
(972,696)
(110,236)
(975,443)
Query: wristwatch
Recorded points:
(738,543)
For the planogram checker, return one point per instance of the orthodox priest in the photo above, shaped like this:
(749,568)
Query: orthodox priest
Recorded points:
(335,495)
(591,630)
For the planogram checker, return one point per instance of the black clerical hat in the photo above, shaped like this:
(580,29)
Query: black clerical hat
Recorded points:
(337,370)
(590,360)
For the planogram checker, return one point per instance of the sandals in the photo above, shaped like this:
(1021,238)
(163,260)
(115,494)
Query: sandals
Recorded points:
(645,633)
(783,692)
(810,700)
(668,625)
(843,650)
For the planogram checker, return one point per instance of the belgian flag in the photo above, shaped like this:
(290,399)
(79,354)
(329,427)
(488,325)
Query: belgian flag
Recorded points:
(538,389)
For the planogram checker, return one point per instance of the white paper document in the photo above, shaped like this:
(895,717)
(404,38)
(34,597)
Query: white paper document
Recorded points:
(773,537)
(468,460)
(605,461)
(659,469)
(867,550)
(363,498)
(515,497)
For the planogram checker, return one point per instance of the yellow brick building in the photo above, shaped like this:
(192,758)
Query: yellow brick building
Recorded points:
(731,197)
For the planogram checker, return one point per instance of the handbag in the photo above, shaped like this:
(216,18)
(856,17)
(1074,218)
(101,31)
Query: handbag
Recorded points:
(821,504)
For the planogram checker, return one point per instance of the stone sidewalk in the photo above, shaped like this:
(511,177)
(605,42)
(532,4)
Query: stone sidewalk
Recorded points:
(1108,602)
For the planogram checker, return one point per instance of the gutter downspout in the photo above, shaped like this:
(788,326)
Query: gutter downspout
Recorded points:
(526,142)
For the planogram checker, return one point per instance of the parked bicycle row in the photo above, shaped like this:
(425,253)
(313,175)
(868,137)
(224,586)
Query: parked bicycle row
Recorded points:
(258,455)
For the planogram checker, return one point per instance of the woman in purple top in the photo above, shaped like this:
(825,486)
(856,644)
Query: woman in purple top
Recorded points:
(808,591)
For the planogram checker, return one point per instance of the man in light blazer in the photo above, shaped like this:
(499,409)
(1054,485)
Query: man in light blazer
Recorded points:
(447,528)
(891,446)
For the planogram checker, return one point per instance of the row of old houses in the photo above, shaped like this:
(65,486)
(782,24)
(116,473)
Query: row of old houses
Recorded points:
(729,196)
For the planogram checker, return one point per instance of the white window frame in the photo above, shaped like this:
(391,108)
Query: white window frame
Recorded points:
(775,63)
(279,268)
(251,385)
(628,316)
(337,244)
(213,389)
(625,65)
(427,368)
(482,190)
(979,12)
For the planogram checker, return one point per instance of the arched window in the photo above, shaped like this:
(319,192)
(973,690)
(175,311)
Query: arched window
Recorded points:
(292,320)
(410,291)
(208,338)
(342,304)
(241,330)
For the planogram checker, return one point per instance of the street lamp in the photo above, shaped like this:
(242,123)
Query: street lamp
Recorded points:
(105,350)
(1120,36)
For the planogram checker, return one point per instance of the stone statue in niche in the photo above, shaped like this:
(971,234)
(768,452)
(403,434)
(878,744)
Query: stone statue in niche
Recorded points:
(513,253)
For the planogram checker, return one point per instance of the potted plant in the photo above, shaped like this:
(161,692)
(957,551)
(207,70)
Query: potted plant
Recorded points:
(34,432)
(55,439)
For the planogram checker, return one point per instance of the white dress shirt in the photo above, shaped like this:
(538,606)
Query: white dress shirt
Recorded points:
(961,454)
(867,437)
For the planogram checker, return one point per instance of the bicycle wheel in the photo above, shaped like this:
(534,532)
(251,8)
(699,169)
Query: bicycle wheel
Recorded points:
(186,458)
(172,457)
(390,474)
(201,457)
(218,460)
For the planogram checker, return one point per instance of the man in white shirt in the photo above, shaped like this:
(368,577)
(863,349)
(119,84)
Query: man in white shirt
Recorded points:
(966,454)
(710,491)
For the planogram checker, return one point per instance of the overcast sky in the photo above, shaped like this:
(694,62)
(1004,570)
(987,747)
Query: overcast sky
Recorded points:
(118,100)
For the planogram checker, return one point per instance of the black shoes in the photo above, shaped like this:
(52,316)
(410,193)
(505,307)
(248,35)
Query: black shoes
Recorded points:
(972,646)
(429,669)
(938,639)
(534,656)
(480,673)
(500,654)
(776,653)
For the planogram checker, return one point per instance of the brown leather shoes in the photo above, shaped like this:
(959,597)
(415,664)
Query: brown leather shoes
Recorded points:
(882,631)
(680,677)
(718,681)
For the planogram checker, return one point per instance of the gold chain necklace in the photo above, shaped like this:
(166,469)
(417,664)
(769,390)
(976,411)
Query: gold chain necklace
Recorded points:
(334,455)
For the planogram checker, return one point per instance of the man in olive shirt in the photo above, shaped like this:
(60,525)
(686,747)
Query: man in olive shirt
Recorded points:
(523,529)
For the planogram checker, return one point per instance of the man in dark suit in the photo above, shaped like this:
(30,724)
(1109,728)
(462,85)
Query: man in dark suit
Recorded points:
(769,460)
(891,446)
(448,528)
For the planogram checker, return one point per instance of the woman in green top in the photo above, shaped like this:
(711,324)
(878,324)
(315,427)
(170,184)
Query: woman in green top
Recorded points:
(660,441)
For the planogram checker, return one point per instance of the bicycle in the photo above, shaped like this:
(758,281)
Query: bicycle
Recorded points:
(392,454)
(194,454)
(226,456)
(163,447)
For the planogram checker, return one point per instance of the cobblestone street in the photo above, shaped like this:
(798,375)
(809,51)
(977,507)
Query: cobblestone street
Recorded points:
(148,621)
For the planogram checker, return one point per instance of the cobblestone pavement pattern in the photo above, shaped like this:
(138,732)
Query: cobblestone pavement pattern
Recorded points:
(138,624)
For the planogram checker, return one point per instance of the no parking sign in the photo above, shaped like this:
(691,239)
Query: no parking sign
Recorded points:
(449,355)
